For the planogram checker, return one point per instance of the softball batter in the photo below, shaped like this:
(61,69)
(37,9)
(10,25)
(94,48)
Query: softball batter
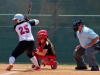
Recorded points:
(26,40)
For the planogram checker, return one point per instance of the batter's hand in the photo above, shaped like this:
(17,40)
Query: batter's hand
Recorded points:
(78,47)
(26,19)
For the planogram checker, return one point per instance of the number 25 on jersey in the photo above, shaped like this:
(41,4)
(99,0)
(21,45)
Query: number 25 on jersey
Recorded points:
(24,29)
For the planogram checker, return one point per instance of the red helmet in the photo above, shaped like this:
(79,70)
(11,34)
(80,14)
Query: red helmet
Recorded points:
(42,34)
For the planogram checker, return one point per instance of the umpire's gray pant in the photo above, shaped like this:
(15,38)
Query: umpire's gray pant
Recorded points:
(89,52)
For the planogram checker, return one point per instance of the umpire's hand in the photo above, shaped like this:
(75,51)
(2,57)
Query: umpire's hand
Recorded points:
(78,47)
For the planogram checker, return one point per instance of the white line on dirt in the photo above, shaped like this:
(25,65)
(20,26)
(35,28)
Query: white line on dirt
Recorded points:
(8,73)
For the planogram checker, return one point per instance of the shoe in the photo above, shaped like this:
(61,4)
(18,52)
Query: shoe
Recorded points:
(95,68)
(33,66)
(80,68)
(9,67)
(54,66)
(37,68)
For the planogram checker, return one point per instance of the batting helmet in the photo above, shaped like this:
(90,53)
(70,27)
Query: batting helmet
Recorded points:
(19,17)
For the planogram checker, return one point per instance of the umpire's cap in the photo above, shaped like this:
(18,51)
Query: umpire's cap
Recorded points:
(77,23)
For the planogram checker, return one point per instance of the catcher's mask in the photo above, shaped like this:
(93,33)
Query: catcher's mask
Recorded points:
(42,34)
(75,26)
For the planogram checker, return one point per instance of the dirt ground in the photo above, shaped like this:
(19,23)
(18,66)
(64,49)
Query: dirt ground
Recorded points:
(25,69)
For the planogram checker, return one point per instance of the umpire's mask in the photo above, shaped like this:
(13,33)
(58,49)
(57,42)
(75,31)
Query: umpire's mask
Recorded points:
(75,26)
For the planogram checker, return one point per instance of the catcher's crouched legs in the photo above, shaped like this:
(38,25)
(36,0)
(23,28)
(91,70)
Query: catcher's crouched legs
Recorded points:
(50,62)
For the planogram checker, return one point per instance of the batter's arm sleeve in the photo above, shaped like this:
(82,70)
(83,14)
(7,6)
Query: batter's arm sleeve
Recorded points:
(33,22)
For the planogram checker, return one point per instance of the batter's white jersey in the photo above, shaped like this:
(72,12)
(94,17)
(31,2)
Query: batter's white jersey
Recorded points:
(24,31)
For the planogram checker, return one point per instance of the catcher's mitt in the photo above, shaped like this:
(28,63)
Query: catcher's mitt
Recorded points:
(34,50)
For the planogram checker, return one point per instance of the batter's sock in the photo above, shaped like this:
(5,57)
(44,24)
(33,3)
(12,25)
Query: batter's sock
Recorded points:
(11,60)
(34,61)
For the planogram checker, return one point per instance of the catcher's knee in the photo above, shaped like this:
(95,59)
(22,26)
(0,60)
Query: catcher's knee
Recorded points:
(52,62)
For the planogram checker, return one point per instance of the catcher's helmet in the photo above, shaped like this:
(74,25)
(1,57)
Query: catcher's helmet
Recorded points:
(19,17)
(42,34)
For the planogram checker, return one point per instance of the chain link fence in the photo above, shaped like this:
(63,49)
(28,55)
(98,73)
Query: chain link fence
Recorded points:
(56,16)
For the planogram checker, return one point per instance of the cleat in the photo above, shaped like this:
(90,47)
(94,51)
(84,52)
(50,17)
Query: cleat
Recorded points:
(33,66)
(36,68)
(95,68)
(81,68)
(9,67)
(54,66)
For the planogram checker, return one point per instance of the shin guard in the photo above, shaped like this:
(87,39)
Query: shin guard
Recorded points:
(48,62)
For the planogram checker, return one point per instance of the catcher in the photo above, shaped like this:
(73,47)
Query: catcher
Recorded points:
(45,50)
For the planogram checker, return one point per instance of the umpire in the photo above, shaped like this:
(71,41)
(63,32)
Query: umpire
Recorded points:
(87,39)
